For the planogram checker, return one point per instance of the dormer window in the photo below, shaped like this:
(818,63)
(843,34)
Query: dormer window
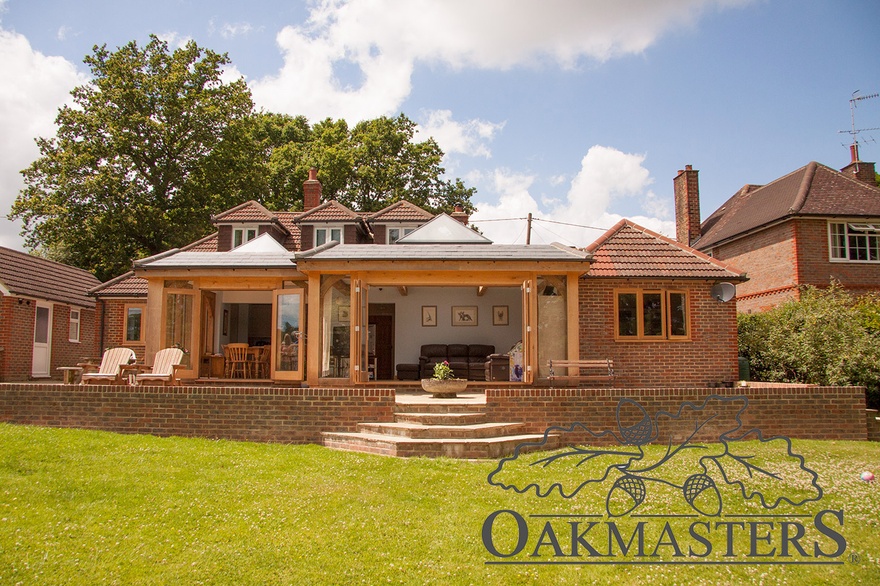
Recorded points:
(243,234)
(325,234)
(396,233)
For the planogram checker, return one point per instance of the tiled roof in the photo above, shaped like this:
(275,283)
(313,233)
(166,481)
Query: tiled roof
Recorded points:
(329,211)
(126,285)
(249,211)
(811,190)
(31,276)
(401,211)
(629,250)
(206,244)
(293,240)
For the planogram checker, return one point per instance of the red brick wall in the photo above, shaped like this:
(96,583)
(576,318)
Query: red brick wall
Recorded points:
(793,253)
(710,356)
(288,415)
(769,259)
(113,314)
(17,335)
(797,411)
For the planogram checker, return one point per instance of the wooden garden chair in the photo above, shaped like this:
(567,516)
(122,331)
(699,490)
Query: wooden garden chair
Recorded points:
(165,366)
(110,370)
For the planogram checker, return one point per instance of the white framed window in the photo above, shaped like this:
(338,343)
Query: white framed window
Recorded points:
(73,335)
(243,234)
(324,234)
(398,232)
(854,241)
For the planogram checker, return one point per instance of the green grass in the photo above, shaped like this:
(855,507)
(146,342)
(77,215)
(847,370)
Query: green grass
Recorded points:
(82,507)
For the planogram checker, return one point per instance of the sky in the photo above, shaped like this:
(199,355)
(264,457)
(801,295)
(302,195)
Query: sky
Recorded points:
(580,112)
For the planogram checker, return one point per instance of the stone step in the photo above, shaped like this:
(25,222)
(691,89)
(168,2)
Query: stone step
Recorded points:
(464,418)
(421,431)
(404,447)
(440,406)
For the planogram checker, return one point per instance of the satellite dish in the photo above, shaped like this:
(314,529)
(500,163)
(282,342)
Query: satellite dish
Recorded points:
(723,292)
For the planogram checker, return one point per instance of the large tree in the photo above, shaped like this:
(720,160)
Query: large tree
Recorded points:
(371,166)
(153,144)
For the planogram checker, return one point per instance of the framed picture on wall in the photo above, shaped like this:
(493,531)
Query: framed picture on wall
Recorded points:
(225,322)
(464,315)
(500,316)
(429,316)
(344,313)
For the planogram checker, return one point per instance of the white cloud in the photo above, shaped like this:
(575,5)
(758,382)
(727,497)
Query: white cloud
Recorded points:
(231,30)
(27,110)
(469,138)
(385,39)
(606,174)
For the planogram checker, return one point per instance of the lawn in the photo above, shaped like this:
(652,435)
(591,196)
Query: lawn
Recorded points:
(84,507)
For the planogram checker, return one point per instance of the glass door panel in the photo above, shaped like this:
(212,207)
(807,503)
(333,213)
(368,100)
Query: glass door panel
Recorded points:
(288,338)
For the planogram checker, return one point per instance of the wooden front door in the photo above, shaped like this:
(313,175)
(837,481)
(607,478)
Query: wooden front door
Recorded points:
(382,345)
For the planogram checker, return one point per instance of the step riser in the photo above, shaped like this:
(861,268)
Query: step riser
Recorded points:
(428,449)
(442,432)
(441,418)
(439,408)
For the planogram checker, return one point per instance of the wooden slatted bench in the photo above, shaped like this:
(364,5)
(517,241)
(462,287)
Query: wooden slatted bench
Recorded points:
(601,369)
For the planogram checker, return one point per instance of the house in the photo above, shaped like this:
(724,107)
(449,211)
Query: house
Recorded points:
(809,227)
(343,297)
(47,319)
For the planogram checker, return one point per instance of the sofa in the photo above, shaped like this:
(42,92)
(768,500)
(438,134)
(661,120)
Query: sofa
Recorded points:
(466,360)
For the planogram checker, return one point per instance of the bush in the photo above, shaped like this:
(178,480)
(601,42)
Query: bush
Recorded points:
(827,337)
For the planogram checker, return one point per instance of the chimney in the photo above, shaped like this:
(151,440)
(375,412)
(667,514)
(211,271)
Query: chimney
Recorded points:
(687,205)
(859,170)
(311,191)
(460,215)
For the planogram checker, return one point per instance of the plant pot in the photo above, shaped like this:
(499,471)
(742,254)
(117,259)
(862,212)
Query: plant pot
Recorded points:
(446,388)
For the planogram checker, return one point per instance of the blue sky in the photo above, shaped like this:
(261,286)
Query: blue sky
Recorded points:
(580,112)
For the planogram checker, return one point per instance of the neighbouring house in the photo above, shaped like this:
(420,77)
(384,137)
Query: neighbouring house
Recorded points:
(809,227)
(47,318)
(350,298)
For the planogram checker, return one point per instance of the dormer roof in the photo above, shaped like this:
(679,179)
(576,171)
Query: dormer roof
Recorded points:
(248,212)
(401,211)
(329,211)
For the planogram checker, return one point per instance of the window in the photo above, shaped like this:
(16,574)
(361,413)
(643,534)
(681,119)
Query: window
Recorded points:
(134,323)
(326,234)
(651,315)
(73,336)
(854,241)
(395,234)
(242,235)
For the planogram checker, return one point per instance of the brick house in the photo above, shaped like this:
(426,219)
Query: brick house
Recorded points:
(47,319)
(343,297)
(809,227)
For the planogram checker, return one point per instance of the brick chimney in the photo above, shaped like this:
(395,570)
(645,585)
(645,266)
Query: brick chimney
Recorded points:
(311,191)
(460,215)
(687,205)
(859,170)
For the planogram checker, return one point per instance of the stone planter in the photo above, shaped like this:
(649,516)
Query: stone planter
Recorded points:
(444,388)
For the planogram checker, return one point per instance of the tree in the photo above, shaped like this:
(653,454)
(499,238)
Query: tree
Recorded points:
(366,168)
(827,337)
(155,142)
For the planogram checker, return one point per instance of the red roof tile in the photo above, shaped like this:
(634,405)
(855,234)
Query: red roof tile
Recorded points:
(249,211)
(814,190)
(126,285)
(629,250)
(329,211)
(401,211)
(31,276)
(206,244)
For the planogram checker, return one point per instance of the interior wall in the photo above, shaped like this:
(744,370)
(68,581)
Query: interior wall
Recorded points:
(410,335)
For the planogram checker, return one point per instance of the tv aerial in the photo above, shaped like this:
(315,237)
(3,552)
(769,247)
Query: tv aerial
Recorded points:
(854,132)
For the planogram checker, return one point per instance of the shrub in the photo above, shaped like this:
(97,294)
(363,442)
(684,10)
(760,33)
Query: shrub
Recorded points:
(827,337)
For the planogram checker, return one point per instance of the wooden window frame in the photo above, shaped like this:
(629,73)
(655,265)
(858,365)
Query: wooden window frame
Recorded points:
(78,322)
(666,315)
(126,307)
(328,228)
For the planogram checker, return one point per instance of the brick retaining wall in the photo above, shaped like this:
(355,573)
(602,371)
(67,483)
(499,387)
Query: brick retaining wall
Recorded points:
(795,411)
(264,414)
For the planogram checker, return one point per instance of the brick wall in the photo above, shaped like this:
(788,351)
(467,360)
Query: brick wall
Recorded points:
(797,411)
(710,356)
(288,415)
(817,269)
(17,338)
